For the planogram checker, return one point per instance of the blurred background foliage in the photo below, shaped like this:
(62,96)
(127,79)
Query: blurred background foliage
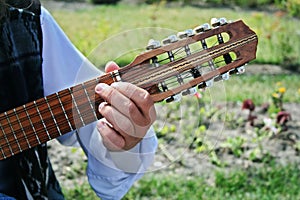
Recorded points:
(276,27)
(290,6)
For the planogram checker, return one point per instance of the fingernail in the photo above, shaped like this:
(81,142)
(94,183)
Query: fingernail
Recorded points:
(100,125)
(110,63)
(101,105)
(99,87)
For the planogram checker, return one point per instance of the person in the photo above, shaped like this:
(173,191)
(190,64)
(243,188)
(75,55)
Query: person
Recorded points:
(36,60)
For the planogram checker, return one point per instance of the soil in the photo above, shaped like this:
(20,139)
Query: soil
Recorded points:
(178,158)
(173,157)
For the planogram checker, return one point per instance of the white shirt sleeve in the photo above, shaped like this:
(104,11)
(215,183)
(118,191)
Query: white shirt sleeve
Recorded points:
(110,174)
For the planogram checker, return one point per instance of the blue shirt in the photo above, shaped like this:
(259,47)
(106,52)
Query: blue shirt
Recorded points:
(110,174)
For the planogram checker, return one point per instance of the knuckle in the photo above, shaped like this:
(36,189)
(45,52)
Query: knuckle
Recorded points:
(127,128)
(131,107)
(119,144)
(110,92)
(147,99)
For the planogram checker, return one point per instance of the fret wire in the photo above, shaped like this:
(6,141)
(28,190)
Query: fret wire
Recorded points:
(44,125)
(2,151)
(24,133)
(97,80)
(34,131)
(75,103)
(90,102)
(12,153)
(103,79)
(64,111)
(52,115)
(13,131)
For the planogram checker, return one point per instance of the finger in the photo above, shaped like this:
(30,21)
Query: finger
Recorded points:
(121,103)
(111,139)
(120,123)
(121,126)
(111,66)
(139,96)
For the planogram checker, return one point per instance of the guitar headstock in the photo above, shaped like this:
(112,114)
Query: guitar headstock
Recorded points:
(192,58)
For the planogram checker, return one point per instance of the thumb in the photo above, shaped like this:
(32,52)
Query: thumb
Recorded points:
(111,66)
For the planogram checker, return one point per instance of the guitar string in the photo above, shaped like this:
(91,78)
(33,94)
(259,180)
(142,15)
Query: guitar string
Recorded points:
(104,78)
(24,127)
(162,61)
(70,101)
(182,65)
(173,82)
(175,53)
(44,110)
(31,137)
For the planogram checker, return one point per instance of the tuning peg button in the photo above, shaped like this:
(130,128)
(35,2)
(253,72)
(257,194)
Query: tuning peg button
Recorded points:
(209,83)
(185,34)
(214,22)
(225,76)
(190,91)
(174,98)
(202,28)
(241,70)
(170,39)
(218,22)
(153,44)
(223,21)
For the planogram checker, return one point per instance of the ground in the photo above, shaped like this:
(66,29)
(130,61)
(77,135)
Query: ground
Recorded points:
(175,156)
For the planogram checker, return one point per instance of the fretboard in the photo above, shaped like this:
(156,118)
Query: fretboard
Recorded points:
(50,117)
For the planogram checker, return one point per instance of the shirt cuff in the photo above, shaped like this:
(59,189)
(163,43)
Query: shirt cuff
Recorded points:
(111,174)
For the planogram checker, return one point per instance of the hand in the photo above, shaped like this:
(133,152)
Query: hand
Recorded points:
(128,111)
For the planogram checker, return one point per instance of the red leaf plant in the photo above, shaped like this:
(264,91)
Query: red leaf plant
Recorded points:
(282,118)
(249,105)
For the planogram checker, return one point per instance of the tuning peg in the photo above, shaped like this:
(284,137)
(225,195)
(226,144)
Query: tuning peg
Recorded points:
(190,91)
(185,34)
(225,76)
(241,70)
(174,98)
(153,44)
(218,22)
(209,83)
(202,28)
(223,21)
(170,39)
(214,22)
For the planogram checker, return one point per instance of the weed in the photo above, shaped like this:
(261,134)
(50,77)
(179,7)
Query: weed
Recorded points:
(235,145)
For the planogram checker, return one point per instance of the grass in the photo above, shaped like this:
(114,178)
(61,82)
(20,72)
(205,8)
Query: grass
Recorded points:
(278,34)
(258,87)
(79,192)
(266,183)
(278,44)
